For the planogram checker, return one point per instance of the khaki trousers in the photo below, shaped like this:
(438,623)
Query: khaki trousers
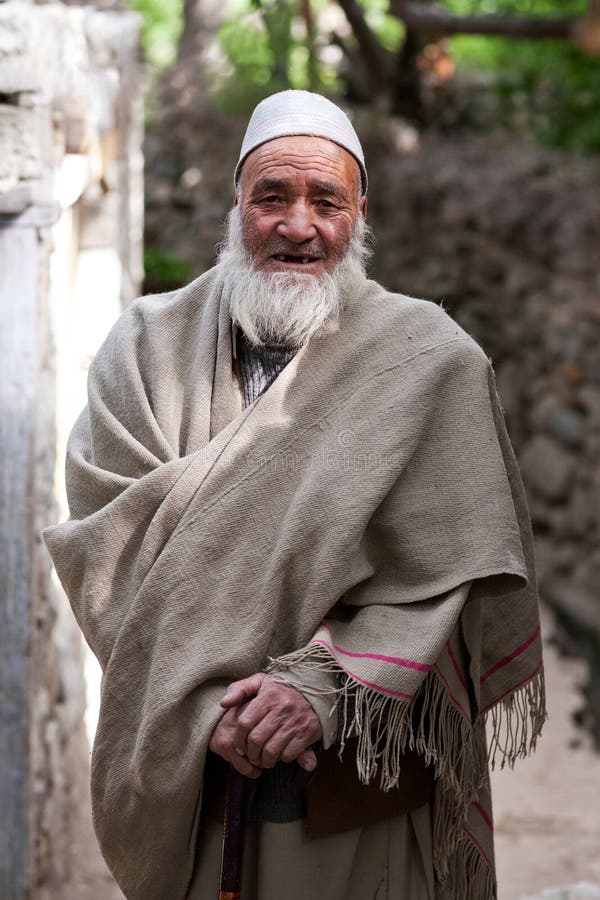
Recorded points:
(388,861)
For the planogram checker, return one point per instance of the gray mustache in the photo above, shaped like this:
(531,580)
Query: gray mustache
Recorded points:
(281,247)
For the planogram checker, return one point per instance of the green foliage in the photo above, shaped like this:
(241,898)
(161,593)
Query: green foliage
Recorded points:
(265,47)
(164,272)
(162,22)
(388,29)
(550,86)
(518,7)
(553,86)
(245,43)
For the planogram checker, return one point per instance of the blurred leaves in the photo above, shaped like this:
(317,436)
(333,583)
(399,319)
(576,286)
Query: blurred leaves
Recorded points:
(518,7)
(547,87)
(266,50)
(163,271)
(388,29)
(162,25)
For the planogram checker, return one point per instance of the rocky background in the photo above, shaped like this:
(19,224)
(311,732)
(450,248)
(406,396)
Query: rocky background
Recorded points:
(506,235)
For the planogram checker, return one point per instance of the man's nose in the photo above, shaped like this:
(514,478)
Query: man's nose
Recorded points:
(297,224)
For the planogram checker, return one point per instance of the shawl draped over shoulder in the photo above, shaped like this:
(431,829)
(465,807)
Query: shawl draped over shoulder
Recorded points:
(364,515)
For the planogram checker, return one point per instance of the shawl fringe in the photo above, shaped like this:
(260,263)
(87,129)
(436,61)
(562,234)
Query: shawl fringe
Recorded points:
(516,722)
(387,727)
(469,874)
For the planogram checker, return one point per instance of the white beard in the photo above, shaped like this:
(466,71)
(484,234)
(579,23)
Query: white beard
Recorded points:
(286,308)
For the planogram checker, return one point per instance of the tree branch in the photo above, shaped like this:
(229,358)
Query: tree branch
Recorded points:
(309,21)
(201,22)
(434,20)
(370,48)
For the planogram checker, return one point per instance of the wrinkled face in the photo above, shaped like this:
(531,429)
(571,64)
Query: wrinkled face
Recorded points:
(299,203)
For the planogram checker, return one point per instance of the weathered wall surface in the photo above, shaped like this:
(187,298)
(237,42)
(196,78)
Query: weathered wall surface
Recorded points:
(506,236)
(70,257)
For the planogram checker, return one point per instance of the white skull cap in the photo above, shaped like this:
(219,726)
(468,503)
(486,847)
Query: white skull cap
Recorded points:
(300,112)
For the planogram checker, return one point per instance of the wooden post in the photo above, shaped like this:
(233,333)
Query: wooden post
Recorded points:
(19,265)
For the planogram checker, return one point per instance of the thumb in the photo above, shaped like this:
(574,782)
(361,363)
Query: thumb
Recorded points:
(240,691)
(308,760)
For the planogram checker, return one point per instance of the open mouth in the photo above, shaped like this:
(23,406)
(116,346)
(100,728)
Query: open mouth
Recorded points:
(295,260)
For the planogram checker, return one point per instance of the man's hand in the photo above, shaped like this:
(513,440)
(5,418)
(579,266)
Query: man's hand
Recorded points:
(266,721)
(223,742)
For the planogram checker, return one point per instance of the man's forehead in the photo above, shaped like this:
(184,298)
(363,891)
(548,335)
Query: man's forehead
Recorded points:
(300,114)
(317,163)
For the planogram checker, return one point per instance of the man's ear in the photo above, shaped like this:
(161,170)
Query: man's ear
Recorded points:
(363,206)
(236,198)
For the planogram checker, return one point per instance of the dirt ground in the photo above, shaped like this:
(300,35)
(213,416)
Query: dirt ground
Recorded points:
(547,810)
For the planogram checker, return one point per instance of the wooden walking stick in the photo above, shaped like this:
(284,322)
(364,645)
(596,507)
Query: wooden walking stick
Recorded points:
(234,825)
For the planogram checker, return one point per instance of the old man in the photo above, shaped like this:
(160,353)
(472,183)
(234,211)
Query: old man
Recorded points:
(298,544)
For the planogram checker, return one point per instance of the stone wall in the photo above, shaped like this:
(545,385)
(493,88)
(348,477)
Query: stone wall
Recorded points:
(70,258)
(506,236)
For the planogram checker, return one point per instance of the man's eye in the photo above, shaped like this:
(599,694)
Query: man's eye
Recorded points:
(325,204)
(271,198)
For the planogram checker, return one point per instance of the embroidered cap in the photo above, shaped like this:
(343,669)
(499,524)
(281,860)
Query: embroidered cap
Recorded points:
(301,112)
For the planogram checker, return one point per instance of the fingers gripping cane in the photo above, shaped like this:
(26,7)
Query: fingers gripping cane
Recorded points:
(234,825)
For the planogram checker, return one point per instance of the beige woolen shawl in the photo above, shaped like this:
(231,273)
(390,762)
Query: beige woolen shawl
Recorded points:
(339,521)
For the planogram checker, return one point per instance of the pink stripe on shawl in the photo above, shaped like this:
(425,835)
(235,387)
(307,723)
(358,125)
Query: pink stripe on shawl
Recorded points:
(503,662)
(395,660)
(515,687)
(483,813)
(370,684)
(479,847)
(455,664)
(455,699)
